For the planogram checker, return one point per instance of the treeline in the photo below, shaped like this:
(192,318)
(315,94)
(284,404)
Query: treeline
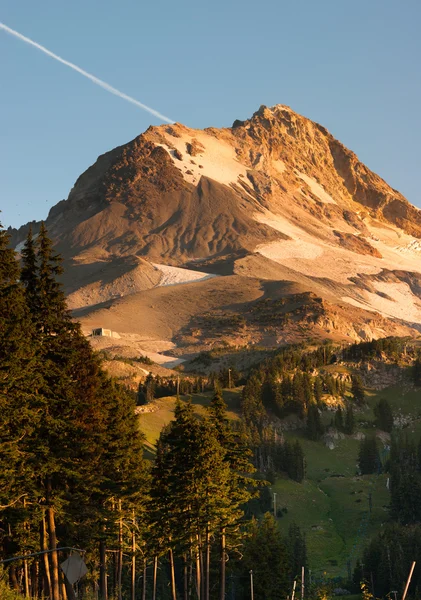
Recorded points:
(289,383)
(392,348)
(155,386)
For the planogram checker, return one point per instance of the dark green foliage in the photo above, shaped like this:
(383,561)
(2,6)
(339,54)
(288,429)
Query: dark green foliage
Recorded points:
(357,389)
(265,553)
(297,549)
(390,347)
(296,465)
(384,415)
(286,384)
(339,420)
(405,481)
(314,427)
(349,421)
(318,390)
(368,456)
(388,558)
(70,439)
(19,379)
(251,403)
(146,391)
(28,274)
(417,371)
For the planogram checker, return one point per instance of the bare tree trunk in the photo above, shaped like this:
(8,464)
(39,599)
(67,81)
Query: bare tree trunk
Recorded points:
(46,566)
(13,578)
(64,589)
(207,562)
(133,573)
(185,578)
(103,591)
(155,571)
(144,580)
(120,553)
(172,574)
(198,573)
(34,579)
(222,566)
(202,570)
(55,582)
(190,574)
(26,578)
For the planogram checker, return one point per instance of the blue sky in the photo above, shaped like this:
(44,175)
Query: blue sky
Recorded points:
(352,66)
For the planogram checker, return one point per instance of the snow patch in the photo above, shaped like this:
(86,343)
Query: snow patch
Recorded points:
(177,275)
(403,304)
(279,165)
(287,249)
(412,247)
(217,160)
(316,188)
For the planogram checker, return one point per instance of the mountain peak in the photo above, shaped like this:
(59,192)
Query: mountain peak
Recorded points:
(274,199)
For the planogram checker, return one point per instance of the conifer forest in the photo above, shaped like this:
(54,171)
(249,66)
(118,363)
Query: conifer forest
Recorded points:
(197,518)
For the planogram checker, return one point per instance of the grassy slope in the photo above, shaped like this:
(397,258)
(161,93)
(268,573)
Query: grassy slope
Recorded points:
(332,504)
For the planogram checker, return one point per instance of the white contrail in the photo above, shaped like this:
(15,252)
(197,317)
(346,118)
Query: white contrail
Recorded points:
(99,82)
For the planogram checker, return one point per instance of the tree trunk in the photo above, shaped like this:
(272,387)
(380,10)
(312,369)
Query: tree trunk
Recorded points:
(46,568)
(34,579)
(119,554)
(26,578)
(222,566)
(172,574)
(63,588)
(13,578)
(207,562)
(198,573)
(155,571)
(55,582)
(144,580)
(190,574)
(133,573)
(103,591)
(185,577)
(202,571)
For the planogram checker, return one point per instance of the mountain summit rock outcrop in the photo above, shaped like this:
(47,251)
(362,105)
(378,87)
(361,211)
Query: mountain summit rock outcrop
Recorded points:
(278,211)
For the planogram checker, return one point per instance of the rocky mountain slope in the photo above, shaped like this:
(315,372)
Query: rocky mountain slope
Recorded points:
(265,232)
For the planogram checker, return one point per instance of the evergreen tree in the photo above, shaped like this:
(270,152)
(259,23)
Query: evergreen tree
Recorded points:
(19,380)
(29,271)
(384,415)
(349,424)
(72,439)
(296,469)
(357,389)
(314,427)
(266,554)
(339,421)
(242,486)
(147,389)
(318,390)
(417,371)
(190,488)
(368,456)
(297,550)
(251,403)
